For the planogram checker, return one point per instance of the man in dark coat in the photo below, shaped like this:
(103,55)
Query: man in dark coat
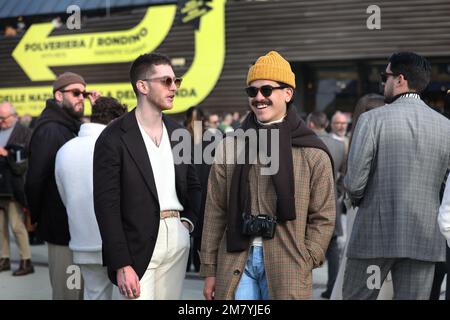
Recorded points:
(14,138)
(59,122)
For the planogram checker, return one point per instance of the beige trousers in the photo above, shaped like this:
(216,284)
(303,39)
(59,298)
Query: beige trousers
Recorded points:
(65,277)
(165,273)
(11,214)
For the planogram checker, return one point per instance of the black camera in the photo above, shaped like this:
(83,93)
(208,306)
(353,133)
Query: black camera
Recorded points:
(260,225)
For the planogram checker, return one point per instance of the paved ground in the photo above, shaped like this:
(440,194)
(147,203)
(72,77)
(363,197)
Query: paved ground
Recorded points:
(36,286)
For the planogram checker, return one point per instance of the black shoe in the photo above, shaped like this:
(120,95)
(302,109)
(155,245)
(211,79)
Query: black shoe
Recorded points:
(325,295)
(5,264)
(25,268)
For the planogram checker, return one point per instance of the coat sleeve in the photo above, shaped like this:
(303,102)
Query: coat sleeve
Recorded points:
(321,209)
(360,160)
(27,135)
(43,148)
(107,204)
(215,218)
(24,137)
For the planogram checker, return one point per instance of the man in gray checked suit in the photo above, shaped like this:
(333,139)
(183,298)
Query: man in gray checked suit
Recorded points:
(397,162)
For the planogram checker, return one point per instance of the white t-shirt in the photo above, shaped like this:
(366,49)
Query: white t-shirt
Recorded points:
(161,160)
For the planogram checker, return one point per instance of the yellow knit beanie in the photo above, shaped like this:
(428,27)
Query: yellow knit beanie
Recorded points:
(273,67)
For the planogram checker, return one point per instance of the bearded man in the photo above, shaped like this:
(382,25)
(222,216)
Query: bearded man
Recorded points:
(58,123)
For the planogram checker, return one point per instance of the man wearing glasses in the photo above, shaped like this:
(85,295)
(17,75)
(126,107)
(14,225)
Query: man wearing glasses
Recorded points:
(58,123)
(146,204)
(14,139)
(397,163)
(263,234)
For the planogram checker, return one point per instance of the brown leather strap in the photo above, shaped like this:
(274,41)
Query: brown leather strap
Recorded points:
(169,214)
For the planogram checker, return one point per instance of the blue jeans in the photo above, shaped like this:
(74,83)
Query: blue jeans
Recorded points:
(253,283)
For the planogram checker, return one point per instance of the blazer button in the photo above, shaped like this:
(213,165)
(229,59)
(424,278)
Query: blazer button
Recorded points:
(236,272)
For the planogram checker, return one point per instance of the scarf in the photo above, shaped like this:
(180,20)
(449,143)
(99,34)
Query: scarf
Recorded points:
(292,132)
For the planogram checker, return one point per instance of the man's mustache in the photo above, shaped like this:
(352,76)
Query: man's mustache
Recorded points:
(255,103)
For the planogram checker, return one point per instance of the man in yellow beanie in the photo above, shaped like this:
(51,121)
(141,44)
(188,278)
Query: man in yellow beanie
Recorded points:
(263,234)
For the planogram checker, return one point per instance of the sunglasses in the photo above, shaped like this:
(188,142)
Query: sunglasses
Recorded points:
(266,90)
(76,93)
(384,76)
(167,81)
(4,118)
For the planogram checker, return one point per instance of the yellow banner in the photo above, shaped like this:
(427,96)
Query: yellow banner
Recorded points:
(36,52)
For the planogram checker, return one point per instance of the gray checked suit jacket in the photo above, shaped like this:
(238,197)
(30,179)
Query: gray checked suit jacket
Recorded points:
(397,163)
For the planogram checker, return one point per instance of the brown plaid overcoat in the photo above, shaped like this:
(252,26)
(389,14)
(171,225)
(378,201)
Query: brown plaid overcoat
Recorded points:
(298,246)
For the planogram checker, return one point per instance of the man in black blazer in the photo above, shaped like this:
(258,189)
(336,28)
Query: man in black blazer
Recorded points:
(144,201)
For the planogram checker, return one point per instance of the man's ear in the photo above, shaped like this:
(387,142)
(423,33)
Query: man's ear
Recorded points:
(289,94)
(402,82)
(58,96)
(142,87)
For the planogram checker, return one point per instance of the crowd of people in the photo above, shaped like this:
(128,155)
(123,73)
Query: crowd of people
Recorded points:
(112,196)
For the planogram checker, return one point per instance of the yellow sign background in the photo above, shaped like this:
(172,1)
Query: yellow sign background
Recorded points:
(198,81)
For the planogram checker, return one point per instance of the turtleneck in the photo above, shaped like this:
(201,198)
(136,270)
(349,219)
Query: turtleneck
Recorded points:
(404,95)
(271,122)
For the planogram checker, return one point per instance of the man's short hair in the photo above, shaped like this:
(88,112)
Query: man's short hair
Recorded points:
(11,106)
(143,64)
(107,109)
(319,119)
(211,115)
(415,69)
(337,113)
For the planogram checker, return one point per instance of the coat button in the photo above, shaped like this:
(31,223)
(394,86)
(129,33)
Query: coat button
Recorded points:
(236,272)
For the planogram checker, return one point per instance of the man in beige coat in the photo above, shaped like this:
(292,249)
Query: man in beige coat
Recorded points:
(264,233)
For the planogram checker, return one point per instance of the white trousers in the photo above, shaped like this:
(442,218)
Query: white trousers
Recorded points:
(165,273)
(97,285)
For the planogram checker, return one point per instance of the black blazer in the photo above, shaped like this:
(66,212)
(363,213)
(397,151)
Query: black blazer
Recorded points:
(125,195)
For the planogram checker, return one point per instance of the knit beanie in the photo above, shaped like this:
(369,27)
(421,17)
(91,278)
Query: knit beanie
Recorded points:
(273,67)
(67,78)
